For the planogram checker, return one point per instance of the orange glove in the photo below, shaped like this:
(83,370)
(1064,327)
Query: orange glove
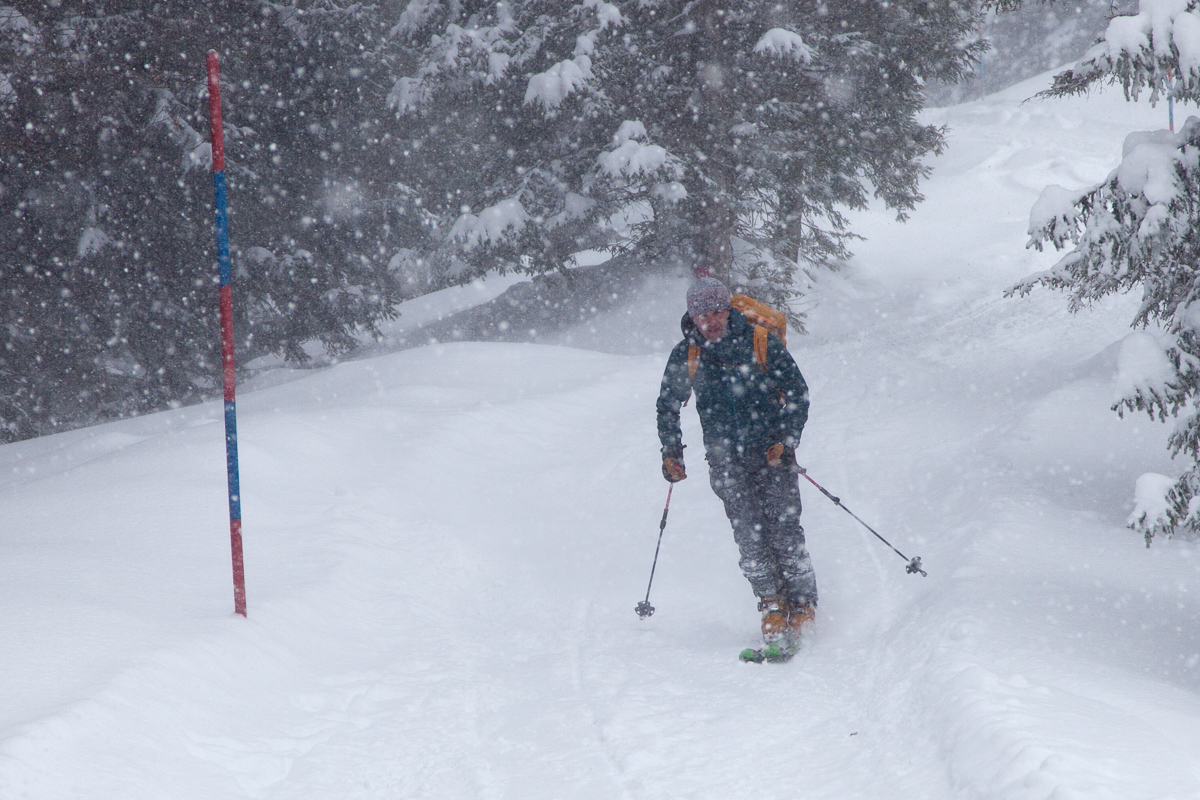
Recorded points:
(673,469)
(778,454)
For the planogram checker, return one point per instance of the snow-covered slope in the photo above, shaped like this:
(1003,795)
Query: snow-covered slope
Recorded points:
(444,548)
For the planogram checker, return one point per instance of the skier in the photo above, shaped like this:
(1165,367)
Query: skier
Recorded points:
(751,414)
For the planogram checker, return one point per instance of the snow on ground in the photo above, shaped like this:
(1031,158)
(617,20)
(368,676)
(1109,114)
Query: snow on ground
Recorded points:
(444,547)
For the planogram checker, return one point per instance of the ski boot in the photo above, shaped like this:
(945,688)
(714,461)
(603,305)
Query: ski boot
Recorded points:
(774,619)
(800,619)
(778,645)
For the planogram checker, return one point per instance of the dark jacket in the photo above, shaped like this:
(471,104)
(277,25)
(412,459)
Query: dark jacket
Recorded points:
(741,410)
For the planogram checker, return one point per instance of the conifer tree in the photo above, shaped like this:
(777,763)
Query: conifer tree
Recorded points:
(735,136)
(107,296)
(1140,230)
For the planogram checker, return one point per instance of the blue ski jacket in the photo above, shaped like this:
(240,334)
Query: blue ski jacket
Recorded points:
(743,409)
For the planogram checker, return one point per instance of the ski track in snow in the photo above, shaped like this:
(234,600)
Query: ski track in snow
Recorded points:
(444,547)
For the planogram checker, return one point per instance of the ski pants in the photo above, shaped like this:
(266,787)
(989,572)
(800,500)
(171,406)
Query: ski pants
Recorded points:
(763,505)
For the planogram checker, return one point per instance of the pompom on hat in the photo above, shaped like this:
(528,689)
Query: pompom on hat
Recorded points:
(707,294)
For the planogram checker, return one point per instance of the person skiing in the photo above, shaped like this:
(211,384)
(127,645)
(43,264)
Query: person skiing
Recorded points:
(751,414)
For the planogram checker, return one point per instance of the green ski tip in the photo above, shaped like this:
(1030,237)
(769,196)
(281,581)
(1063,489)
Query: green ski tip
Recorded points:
(773,653)
(750,654)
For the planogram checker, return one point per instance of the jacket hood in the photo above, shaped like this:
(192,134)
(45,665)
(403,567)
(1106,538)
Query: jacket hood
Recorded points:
(737,327)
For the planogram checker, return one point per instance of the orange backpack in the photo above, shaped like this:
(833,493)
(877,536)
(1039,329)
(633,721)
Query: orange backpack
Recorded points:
(766,320)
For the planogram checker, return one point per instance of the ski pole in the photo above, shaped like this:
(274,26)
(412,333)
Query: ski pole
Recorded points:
(914,565)
(644,609)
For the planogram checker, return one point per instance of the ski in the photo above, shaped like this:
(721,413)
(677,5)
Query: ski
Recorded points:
(773,653)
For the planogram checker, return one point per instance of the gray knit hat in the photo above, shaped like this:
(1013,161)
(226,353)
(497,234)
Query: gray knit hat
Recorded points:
(707,294)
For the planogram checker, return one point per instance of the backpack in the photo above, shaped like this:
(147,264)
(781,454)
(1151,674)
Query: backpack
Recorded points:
(766,320)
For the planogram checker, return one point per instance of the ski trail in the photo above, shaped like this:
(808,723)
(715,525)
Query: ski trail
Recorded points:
(659,721)
(588,712)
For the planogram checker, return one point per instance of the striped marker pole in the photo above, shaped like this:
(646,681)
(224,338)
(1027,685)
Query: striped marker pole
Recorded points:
(227,364)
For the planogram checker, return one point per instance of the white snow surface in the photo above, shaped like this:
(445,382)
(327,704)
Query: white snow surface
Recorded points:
(444,547)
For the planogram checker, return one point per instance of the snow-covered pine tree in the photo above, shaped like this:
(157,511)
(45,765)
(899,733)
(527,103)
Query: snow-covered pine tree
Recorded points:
(733,135)
(107,301)
(1140,229)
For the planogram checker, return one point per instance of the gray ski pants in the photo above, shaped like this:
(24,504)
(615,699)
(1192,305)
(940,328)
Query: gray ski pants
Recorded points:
(763,505)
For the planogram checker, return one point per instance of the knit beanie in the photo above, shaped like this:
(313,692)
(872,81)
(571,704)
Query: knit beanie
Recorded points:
(707,294)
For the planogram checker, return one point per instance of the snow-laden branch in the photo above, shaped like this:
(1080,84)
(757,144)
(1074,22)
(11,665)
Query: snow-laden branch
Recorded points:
(630,158)
(408,94)
(492,225)
(782,43)
(1152,504)
(414,17)
(1157,49)
(1123,226)
(606,13)
(480,53)
(554,85)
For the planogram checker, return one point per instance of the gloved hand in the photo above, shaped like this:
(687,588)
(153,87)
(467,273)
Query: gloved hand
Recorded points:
(673,469)
(780,454)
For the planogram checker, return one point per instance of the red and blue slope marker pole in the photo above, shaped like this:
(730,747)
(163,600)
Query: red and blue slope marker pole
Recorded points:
(227,363)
